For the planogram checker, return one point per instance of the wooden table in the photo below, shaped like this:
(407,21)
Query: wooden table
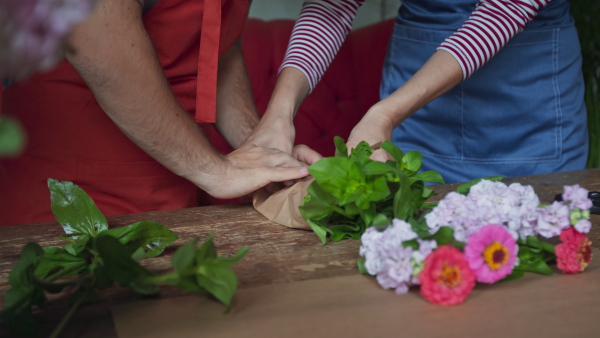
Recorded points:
(277,254)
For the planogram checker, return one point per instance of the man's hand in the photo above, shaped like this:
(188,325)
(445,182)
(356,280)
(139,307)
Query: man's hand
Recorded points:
(247,169)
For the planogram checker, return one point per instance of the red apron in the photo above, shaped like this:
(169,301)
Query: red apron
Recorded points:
(71,138)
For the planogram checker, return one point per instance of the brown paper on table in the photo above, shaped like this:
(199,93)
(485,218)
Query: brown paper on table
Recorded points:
(282,206)
(535,306)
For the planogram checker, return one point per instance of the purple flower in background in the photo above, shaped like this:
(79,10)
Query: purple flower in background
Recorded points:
(33,32)
(514,207)
(577,197)
(553,219)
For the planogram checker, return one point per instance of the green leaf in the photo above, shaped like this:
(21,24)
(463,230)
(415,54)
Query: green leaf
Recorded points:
(12,138)
(412,162)
(56,259)
(341,150)
(428,176)
(206,250)
(24,292)
(184,257)
(74,209)
(119,265)
(377,168)
(402,207)
(380,220)
(152,236)
(361,267)
(219,282)
(537,266)
(465,187)
(393,150)
(22,273)
(78,245)
(319,230)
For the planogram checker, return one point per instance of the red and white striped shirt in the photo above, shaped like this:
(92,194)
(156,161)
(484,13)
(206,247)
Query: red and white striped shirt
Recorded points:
(324,24)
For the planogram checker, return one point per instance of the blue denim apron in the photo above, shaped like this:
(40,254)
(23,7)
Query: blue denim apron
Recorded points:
(522,113)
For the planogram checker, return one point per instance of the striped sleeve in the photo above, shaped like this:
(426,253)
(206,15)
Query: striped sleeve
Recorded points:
(318,34)
(488,29)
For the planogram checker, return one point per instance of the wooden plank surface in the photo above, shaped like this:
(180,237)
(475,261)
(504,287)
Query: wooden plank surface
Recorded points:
(277,254)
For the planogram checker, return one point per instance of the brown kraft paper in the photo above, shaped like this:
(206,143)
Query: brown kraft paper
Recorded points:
(282,206)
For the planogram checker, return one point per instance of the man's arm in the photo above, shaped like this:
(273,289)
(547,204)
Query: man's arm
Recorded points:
(236,113)
(116,58)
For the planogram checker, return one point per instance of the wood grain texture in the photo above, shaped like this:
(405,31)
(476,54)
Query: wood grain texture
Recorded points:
(277,254)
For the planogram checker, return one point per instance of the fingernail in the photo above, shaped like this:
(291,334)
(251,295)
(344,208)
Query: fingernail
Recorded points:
(303,170)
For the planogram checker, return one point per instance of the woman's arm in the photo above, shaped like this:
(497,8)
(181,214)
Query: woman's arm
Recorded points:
(489,28)
(316,38)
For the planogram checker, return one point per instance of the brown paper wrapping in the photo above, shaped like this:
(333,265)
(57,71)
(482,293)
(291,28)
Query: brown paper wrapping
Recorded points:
(282,206)
(355,306)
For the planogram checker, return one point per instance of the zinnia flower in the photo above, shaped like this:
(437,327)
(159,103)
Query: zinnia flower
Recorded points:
(446,278)
(491,253)
(575,253)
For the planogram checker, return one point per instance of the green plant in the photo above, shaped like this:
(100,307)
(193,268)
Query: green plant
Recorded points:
(96,257)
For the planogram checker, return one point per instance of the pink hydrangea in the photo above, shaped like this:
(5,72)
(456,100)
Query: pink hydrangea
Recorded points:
(33,32)
(577,197)
(491,253)
(446,278)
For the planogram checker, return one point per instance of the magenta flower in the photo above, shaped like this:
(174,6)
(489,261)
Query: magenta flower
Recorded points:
(574,254)
(491,253)
(446,278)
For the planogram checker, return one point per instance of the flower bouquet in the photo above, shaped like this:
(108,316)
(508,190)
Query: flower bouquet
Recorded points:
(485,231)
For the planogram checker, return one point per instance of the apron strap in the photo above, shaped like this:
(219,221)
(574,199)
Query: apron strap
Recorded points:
(208,62)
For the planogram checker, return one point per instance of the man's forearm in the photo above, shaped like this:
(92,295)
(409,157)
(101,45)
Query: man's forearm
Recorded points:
(116,58)
(236,112)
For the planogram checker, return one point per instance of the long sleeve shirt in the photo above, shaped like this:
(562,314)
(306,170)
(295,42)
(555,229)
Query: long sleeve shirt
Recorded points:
(323,26)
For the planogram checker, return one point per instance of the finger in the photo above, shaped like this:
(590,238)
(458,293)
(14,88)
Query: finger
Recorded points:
(282,174)
(281,159)
(305,154)
(381,156)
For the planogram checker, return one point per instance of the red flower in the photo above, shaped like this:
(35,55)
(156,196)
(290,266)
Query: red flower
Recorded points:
(575,253)
(446,277)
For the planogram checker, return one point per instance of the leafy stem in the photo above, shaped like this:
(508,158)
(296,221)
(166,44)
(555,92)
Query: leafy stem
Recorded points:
(70,313)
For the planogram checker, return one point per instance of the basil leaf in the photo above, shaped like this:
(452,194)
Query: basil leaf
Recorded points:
(120,266)
(428,176)
(341,150)
(75,210)
(411,162)
(152,236)
(219,282)
(393,150)
(183,258)
(55,259)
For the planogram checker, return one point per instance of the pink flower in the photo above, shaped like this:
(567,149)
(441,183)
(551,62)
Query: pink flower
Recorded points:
(33,32)
(446,278)
(491,253)
(575,253)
